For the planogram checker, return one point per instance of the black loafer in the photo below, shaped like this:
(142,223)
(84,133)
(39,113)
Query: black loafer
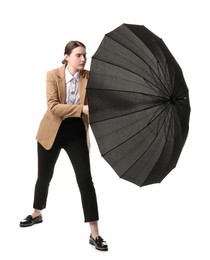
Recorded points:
(99,243)
(30,221)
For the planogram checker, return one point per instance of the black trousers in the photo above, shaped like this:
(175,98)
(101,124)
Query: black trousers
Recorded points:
(72,138)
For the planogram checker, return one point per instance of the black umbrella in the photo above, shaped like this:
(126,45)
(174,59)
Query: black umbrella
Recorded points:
(138,104)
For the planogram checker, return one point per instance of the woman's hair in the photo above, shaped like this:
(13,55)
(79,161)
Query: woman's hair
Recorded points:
(69,48)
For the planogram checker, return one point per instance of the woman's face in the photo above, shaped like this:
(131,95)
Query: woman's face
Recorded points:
(77,59)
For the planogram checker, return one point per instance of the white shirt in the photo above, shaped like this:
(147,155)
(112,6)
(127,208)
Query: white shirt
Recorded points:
(72,88)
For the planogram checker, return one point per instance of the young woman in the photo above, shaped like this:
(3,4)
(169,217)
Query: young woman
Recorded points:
(65,125)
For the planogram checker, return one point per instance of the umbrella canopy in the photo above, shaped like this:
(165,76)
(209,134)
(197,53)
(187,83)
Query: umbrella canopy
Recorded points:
(138,104)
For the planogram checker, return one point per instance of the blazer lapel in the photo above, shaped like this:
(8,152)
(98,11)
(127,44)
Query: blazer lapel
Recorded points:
(62,83)
(82,85)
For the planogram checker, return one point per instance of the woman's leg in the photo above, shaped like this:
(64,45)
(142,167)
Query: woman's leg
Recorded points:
(79,156)
(94,229)
(46,164)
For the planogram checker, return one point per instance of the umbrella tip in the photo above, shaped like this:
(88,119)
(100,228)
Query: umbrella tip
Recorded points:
(172,99)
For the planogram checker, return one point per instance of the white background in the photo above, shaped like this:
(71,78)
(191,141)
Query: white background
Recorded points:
(162,221)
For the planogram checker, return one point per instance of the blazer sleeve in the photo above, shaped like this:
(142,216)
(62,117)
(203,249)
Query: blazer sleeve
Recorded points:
(55,91)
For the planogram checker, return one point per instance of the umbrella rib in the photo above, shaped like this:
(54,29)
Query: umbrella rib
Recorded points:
(126,114)
(146,85)
(150,143)
(127,91)
(144,61)
(146,80)
(138,131)
(166,136)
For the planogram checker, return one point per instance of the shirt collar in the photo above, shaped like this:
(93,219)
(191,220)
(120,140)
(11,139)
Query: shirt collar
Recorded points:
(69,77)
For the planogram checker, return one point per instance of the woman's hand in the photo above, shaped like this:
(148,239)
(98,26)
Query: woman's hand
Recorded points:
(85,110)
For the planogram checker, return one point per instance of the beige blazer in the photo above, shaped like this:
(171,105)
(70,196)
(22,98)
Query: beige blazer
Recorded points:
(57,107)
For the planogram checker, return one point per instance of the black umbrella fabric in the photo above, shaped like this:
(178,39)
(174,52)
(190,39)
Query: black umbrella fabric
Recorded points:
(138,104)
